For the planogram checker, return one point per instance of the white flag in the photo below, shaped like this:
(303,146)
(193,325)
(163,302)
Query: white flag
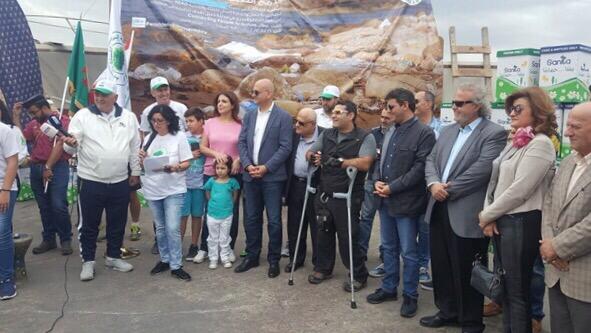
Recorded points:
(118,57)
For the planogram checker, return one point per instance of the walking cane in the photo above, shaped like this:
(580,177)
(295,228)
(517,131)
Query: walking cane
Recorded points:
(309,189)
(351,172)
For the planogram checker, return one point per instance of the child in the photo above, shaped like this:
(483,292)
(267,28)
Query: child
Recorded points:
(195,197)
(221,192)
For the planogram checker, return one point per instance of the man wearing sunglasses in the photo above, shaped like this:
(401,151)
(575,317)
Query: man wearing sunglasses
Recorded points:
(336,149)
(106,138)
(329,97)
(265,143)
(305,134)
(400,184)
(457,173)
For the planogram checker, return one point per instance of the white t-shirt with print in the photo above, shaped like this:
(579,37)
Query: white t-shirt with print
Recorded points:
(179,109)
(9,146)
(160,185)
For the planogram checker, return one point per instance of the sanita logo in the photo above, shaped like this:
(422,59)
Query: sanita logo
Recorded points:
(513,69)
(555,62)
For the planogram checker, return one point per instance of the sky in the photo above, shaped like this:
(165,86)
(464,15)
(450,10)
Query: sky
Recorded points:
(512,24)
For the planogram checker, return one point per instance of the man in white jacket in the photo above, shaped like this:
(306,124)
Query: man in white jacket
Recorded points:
(106,138)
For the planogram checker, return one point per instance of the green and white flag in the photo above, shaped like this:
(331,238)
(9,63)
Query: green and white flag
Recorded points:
(78,74)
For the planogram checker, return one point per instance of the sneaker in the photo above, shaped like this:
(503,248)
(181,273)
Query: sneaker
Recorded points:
(7,289)
(155,248)
(378,272)
(424,275)
(44,246)
(118,264)
(181,274)
(285,252)
(409,307)
(227,264)
(87,273)
(380,296)
(200,257)
(358,285)
(66,248)
(193,250)
(136,232)
(232,257)
(159,268)
(213,264)
(129,252)
(427,285)
(536,326)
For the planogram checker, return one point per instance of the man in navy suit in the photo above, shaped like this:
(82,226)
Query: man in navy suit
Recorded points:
(264,144)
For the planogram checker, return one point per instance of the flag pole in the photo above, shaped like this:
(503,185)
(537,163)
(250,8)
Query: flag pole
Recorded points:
(60,118)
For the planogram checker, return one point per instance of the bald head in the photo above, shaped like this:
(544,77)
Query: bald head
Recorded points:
(263,92)
(306,122)
(578,128)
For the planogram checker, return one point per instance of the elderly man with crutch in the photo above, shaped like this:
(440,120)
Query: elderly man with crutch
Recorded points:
(344,154)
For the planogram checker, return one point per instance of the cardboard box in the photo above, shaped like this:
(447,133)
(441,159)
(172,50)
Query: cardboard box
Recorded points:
(564,72)
(516,69)
(447,114)
(565,148)
(499,116)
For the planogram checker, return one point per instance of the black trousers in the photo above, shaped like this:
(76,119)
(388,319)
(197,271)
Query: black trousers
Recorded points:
(336,221)
(518,246)
(94,198)
(451,264)
(295,203)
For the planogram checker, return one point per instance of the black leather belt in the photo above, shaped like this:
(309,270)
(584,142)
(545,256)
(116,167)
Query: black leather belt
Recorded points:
(300,179)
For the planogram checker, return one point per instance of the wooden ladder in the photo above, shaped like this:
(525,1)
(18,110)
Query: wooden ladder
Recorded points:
(483,71)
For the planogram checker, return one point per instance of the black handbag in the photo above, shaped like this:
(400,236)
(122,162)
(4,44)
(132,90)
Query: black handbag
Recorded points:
(489,284)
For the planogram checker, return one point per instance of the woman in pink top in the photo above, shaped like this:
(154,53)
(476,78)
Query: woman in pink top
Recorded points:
(220,140)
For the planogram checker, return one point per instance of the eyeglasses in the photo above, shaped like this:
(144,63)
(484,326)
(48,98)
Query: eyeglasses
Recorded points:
(514,108)
(302,123)
(157,121)
(255,93)
(459,104)
(338,112)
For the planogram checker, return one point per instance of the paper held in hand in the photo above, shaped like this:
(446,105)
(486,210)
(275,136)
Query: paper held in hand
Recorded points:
(155,164)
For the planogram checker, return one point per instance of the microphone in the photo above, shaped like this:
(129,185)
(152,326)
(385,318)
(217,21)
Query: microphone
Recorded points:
(55,122)
(49,130)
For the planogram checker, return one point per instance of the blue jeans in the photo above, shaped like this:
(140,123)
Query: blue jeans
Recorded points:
(424,254)
(53,205)
(6,241)
(537,290)
(167,217)
(399,237)
(368,213)
(258,196)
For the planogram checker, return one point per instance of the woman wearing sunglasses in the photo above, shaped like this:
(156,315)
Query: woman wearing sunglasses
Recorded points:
(512,210)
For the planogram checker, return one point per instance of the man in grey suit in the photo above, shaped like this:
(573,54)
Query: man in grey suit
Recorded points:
(457,173)
(566,230)
(264,144)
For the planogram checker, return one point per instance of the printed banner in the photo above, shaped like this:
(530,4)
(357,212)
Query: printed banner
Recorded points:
(203,47)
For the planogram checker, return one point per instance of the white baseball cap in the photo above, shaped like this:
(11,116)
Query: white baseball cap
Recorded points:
(105,87)
(158,82)
(330,92)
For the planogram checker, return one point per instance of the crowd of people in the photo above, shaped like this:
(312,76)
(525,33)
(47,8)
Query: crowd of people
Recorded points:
(443,193)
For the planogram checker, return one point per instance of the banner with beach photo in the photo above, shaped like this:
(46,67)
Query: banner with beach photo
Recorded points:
(203,47)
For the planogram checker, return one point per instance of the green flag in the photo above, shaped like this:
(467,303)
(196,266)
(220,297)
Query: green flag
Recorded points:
(78,74)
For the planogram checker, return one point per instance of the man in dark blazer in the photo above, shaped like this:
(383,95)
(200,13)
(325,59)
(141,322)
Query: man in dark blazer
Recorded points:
(264,144)
(457,173)
(401,186)
(305,134)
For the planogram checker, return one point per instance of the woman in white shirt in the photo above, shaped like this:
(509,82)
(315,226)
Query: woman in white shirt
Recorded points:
(165,156)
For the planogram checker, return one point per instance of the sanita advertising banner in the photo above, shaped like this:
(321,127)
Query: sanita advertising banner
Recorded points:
(204,47)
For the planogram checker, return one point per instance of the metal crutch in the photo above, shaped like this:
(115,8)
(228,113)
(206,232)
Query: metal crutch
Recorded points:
(352,173)
(309,189)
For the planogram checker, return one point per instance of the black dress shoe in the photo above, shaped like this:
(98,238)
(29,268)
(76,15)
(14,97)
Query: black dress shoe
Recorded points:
(288,267)
(436,321)
(44,246)
(181,274)
(273,271)
(160,267)
(245,265)
(380,296)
